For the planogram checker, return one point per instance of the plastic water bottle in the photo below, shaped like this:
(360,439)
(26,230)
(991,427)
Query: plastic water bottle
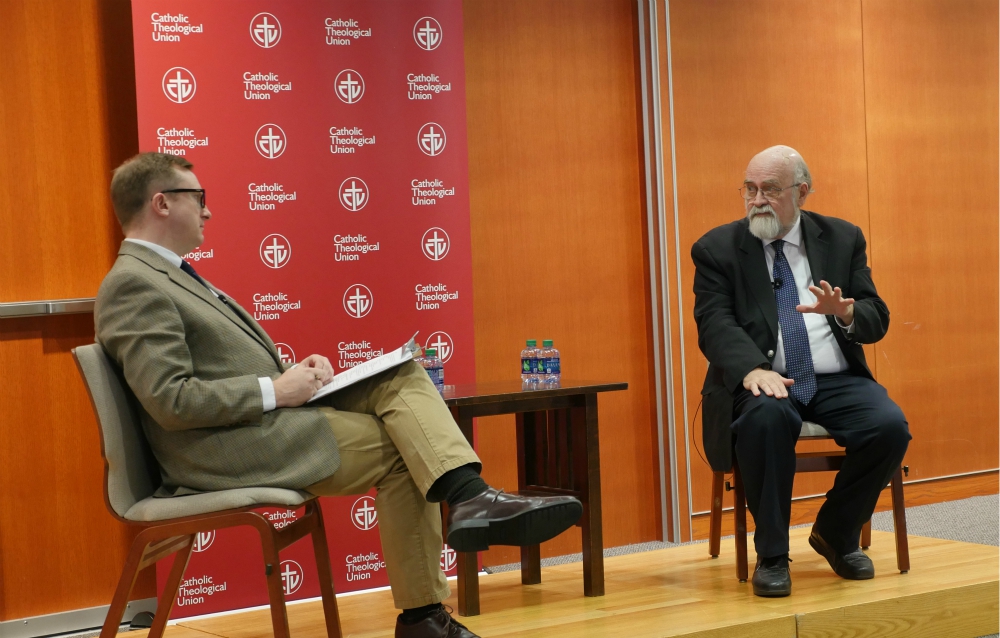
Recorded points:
(434,367)
(549,365)
(529,362)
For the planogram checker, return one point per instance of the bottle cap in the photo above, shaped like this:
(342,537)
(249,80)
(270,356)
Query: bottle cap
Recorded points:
(431,351)
(531,342)
(547,343)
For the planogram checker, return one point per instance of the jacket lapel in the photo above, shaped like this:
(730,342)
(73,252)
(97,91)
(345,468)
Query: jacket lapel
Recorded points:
(754,266)
(188,283)
(249,321)
(817,248)
(818,253)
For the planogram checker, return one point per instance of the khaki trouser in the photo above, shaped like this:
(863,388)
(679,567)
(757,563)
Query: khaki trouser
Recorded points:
(396,434)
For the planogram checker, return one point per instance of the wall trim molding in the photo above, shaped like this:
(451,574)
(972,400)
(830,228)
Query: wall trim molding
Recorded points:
(677,266)
(75,620)
(658,282)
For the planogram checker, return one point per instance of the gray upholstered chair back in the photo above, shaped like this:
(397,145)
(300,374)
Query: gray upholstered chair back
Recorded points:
(131,472)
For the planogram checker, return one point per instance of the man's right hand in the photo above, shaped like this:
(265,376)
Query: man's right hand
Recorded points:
(296,386)
(767,381)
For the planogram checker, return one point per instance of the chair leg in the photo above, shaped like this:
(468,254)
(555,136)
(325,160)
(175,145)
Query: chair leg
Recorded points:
(125,583)
(899,523)
(272,571)
(169,594)
(322,552)
(715,520)
(740,513)
(866,535)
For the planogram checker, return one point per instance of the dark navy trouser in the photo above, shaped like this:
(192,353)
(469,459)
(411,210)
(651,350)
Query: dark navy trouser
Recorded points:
(860,417)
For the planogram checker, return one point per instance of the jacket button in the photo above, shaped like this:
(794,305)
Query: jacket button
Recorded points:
(770,353)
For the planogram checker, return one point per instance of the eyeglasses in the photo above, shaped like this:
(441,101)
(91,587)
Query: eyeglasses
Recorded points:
(771,193)
(200,191)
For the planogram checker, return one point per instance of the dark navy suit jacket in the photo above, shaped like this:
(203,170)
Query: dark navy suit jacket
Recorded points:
(737,315)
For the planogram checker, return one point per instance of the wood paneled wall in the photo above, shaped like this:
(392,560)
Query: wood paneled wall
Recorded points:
(67,117)
(894,106)
(931,106)
(557,229)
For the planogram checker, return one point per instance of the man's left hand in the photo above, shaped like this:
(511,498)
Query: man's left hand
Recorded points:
(321,364)
(830,301)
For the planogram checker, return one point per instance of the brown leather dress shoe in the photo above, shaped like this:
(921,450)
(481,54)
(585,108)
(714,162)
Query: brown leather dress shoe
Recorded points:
(497,518)
(440,624)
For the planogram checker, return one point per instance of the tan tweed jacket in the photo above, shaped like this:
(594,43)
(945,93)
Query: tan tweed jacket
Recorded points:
(193,363)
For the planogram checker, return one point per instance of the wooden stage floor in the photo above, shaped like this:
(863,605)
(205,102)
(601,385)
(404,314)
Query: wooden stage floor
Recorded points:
(951,591)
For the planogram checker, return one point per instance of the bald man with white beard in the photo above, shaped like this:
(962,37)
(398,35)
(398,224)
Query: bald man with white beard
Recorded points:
(783,301)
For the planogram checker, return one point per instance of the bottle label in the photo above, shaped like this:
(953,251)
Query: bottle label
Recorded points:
(527,365)
(436,375)
(552,365)
(540,365)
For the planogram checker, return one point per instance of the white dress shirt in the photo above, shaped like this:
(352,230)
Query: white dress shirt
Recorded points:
(266,385)
(826,354)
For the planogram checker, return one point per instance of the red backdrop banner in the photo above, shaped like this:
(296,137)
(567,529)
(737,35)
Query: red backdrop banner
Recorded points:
(331,140)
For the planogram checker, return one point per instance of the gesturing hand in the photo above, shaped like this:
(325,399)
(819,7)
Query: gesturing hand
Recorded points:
(767,381)
(829,301)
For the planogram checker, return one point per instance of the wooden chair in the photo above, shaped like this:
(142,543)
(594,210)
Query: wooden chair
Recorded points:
(804,462)
(170,525)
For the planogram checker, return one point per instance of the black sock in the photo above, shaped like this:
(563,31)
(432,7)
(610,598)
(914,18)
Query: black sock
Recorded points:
(455,486)
(415,615)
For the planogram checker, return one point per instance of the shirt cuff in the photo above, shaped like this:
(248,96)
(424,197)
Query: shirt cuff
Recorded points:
(848,329)
(267,392)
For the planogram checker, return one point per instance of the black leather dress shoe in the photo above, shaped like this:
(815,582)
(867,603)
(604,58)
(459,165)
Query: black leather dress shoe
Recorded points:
(440,624)
(853,566)
(497,518)
(771,577)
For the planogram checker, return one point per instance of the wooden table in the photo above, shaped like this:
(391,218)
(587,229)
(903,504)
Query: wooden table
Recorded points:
(558,453)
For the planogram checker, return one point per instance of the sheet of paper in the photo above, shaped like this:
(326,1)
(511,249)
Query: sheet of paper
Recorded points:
(369,368)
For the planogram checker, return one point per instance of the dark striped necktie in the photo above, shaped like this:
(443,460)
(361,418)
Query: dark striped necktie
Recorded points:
(189,269)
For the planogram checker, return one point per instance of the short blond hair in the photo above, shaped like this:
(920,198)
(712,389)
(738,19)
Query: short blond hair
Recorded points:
(131,182)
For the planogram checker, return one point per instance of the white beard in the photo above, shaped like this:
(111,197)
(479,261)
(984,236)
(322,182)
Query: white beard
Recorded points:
(764,223)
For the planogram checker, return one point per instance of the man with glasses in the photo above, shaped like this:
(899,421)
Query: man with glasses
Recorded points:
(222,411)
(783,301)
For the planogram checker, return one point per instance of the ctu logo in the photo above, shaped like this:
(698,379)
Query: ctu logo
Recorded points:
(179,85)
(353,193)
(363,513)
(431,139)
(449,558)
(275,251)
(444,344)
(285,352)
(427,33)
(291,576)
(358,301)
(435,244)
(350,86)
(271,141)
(265,30)
(202,541)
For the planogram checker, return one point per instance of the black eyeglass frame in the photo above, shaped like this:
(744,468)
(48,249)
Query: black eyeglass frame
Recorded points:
(200,191)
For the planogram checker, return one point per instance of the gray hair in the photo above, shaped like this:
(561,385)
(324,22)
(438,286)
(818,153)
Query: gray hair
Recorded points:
(802,175)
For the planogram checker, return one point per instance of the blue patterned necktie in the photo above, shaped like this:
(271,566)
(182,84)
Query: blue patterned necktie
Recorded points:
(794,337)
